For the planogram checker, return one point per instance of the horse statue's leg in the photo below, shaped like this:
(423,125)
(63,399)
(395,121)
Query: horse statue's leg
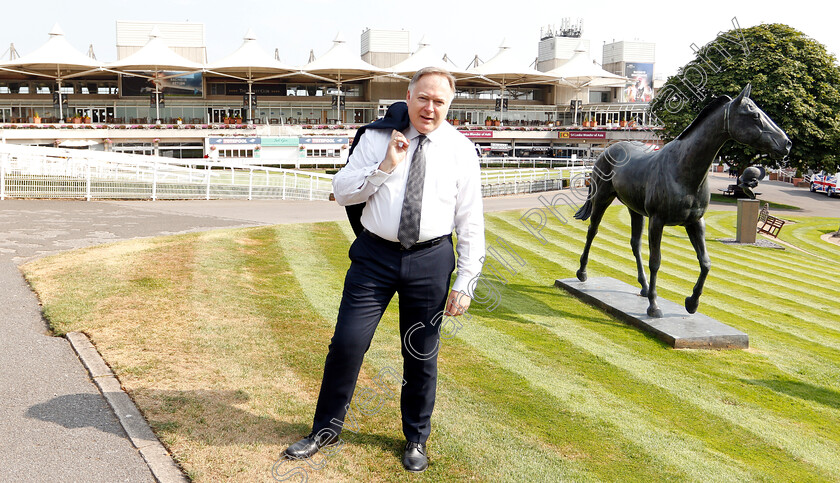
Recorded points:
(599,206)
(655,227)
(637,222)
(697,234)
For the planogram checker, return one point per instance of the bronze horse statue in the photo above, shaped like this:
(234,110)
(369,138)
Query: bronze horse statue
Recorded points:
(670,186)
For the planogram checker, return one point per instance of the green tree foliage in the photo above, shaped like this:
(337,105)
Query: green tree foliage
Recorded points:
(794,80)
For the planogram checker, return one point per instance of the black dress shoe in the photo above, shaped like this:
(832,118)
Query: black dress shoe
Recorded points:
(414,458)
(308,446)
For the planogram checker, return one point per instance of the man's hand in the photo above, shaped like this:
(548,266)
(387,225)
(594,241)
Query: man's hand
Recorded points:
(395,154)
(457,303)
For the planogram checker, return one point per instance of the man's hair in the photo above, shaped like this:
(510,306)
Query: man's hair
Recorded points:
(433,70)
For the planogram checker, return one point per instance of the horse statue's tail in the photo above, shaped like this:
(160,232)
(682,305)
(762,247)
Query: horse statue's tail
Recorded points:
(585,211)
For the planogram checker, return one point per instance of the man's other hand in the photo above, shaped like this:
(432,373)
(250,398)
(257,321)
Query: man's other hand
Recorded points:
(457,303)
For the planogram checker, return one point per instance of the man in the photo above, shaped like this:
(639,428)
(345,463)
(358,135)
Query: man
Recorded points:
(419,184)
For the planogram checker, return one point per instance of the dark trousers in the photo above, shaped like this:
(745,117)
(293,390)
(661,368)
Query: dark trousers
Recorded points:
(377,271)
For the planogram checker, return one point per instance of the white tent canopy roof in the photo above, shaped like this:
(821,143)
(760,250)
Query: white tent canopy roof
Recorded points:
(155,56)
(427,56)
(580,71)
(341,64)
(249,59)
(56,57)
(507,68)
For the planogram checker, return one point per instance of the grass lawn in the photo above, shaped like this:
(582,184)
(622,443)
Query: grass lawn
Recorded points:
(220,338)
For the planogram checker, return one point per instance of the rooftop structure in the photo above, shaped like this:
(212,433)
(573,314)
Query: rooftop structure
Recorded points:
(558,44)
(184,38)
(384,48)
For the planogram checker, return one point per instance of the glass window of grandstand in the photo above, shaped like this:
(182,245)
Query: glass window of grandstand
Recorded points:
(134,148)
(14,88)
(96,114)
(322,153)
(186,150)
(225,88)
(236,153)
(98,87)
(42,87)
(487,93)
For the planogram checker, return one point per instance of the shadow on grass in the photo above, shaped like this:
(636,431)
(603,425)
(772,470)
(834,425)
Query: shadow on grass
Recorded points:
(801,390)
(518,301)
(216,418)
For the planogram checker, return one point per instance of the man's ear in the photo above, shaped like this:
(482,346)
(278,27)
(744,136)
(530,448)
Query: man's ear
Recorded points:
(408,96)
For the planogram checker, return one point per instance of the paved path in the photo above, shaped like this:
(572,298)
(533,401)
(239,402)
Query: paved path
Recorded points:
(54,423)
(811,204)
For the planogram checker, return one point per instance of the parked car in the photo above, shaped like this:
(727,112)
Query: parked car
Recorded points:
(823,181)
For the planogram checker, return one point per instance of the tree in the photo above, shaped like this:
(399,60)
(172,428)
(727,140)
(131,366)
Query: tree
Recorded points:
(794,80)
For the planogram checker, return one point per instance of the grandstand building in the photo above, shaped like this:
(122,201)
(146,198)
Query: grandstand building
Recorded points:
(162,95)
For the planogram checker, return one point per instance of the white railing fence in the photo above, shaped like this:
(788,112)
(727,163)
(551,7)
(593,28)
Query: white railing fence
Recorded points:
(512,162)
(501,182)
(39,172)
(43,172)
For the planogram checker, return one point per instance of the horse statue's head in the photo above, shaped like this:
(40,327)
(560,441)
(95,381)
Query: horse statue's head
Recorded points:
(748,124)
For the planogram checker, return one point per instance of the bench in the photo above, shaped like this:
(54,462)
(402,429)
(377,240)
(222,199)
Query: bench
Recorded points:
(770,225)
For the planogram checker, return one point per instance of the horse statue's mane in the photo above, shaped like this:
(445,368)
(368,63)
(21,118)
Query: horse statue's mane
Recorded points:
(711,107)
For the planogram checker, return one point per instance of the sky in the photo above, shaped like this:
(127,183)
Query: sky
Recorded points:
(460,29)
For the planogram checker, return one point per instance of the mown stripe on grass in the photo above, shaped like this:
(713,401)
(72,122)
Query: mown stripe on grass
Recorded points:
(814,358)
(806,233)
(726,412)
(679,454)
(828,450)
(673,282)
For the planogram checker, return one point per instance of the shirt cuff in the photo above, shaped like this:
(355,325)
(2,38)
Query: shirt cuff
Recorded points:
(462,284)
(377,177)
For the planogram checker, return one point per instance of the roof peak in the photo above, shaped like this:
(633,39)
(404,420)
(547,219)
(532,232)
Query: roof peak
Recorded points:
(56,30)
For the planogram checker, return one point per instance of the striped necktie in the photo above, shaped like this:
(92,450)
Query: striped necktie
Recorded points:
(409,231)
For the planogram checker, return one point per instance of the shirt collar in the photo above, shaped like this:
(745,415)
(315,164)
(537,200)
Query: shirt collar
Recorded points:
(411,133)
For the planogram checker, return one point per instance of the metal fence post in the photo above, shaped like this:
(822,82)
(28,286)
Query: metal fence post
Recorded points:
(154,179)
(250,183)
(3,159)
(284,186)
(311,182)
(208,182)
(87,183)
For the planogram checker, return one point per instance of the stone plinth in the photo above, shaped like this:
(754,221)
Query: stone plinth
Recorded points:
(746,226)
(676,327)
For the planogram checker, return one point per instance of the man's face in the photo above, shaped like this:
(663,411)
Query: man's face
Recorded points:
(428,102)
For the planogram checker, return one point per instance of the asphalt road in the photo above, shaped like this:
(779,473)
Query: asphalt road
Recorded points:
(54,423)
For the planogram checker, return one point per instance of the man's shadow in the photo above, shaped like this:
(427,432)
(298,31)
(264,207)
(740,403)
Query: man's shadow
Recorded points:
(83,410)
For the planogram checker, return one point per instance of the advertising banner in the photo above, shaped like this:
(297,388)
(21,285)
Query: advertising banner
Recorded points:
(583,135)
(235,141)
(640,87)
(477,134)
(324,140)
(280,141)
(188,85)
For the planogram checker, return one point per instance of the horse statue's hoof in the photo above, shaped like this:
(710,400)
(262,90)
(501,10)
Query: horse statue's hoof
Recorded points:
(654,312)
(691,304)
(643,293)
(581,275)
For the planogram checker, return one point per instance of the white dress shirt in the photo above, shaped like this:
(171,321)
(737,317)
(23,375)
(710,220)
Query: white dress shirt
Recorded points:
(451,192)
